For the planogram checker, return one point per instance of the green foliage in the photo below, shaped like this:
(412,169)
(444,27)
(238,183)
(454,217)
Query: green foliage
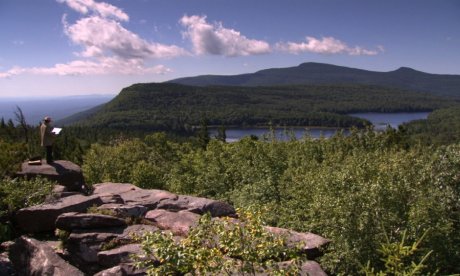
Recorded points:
(94,210)
(442,127)
(20,193)
(348,189)
(63,237)
(143,163)
(5,232)
(218,247)
(167,106)
(398,259)
(12,154)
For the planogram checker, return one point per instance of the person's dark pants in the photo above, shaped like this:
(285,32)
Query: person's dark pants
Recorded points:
(49,154)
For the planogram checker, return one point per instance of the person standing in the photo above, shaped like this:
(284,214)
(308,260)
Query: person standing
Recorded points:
(47,138)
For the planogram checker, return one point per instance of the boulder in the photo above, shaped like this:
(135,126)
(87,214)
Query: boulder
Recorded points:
(312,268)
(179,223)
(32,257)
(198,205)
(83,246)
(310,243)
(41,218)
(63,172)
(72,221)
(124,210)
(122,270)
(6,267)
(122,254)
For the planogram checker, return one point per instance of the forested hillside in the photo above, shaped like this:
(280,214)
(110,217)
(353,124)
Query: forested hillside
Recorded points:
(379,197)
(319,73)
(160,106)
(441,127)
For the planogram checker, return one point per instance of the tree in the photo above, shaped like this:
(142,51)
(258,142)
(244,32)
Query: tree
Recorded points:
(21,119)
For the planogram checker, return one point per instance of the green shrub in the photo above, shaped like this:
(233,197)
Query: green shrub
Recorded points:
(399,259)
(20,193)
(219,247)
(12,155)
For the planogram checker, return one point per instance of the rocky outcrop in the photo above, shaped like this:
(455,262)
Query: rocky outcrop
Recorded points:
(63,172)
(179,223)
(99,231)
(42,218)
(310,243)
(32,257)
(116,256)
(72,221)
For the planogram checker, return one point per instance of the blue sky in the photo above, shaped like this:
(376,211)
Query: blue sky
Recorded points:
(77,47)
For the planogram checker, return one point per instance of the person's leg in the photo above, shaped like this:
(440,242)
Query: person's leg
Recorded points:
(49,154)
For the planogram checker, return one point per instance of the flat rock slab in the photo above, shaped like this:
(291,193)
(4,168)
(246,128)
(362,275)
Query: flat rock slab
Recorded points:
(113,188)
(122,254)
(32,257)
(63,172)
(134,195)
(179,223)
(41,218)
(72,221)
(198,205)
(148,198)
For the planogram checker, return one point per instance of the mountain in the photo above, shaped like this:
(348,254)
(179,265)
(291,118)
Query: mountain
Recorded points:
(319,73)
(169,106)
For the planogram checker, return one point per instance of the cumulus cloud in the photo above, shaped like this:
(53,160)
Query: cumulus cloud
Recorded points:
(100,36)
(326,45)
(214,39)
(107,47)
(101,9)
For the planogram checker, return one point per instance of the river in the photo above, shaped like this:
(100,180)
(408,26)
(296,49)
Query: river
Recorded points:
(379,120)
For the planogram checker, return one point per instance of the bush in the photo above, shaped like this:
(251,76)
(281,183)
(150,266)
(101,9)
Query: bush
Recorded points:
(219,247)
(12,154)
(20,193)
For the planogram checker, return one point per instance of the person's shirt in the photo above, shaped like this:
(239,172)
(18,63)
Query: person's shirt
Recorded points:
(47,137)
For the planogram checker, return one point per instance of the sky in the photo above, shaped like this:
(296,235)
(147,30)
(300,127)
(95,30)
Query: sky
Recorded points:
(80,47)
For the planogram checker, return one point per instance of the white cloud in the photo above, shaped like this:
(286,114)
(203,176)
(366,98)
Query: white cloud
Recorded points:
(108,47)
(214,39)
(102,66)
(326,45)
(101,9)
(106,36)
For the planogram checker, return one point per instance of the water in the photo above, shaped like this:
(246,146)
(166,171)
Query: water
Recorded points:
(379,120)
(284,134)
(382,120)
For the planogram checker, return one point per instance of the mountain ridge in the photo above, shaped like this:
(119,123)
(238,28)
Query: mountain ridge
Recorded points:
(321,73)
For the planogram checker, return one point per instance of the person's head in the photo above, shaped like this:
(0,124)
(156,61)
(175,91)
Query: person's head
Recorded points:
(47,119)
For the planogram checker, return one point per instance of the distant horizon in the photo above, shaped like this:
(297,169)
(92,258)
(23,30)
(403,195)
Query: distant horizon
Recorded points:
(44,97)
(64,47)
